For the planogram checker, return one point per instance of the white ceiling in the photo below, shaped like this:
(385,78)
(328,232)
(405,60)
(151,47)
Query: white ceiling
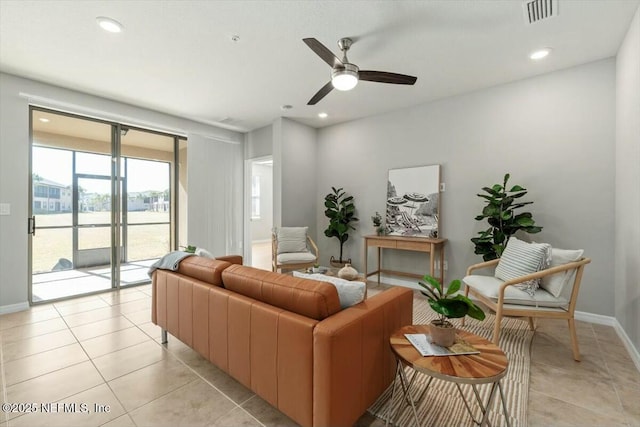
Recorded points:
(178,57)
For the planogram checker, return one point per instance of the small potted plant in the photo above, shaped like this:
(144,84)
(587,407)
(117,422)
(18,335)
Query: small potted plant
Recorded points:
(316,268)
(377,224)
(448,306)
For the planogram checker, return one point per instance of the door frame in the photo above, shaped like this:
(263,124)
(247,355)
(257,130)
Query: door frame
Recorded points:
(248,168)
(116,194)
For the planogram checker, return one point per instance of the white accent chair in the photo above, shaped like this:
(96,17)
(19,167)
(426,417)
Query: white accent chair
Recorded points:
(505,299)
(292,249)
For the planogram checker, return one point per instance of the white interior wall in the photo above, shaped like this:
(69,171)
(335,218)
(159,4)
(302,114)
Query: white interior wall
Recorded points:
(14,162)
(294,160)
(627,188)
(554,133)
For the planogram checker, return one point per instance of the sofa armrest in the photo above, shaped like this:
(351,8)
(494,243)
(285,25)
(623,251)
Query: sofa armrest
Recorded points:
(233,259)
(353,362)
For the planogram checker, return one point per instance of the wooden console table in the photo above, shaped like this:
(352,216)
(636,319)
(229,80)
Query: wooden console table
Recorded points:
(417,244)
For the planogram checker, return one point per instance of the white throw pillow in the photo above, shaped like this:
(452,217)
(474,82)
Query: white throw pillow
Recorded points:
(521,258)
(349,292)
(204,253)
(292,239)
(556,282)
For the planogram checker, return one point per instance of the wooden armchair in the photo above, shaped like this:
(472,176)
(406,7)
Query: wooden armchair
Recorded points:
(506,300)
(292,248)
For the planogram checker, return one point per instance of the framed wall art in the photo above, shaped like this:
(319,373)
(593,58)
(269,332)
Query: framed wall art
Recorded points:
(413,201)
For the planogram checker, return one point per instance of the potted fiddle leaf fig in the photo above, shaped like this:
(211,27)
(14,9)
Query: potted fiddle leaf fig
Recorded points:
(448,306)
(341,213)
(500,212)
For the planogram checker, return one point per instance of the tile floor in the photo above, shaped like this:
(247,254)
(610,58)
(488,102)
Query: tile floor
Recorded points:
(97,361)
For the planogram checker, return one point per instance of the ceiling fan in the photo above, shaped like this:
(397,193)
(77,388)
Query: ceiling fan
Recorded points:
(344,75)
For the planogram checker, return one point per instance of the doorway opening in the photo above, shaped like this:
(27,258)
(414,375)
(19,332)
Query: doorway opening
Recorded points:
(260,211)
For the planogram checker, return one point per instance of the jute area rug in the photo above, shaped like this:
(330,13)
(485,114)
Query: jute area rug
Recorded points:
(442,405)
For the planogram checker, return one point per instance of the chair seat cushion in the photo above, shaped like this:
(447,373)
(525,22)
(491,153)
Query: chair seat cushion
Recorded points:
(296,257)
(489,286)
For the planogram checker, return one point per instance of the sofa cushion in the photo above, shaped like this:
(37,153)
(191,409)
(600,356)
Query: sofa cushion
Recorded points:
(555,283)
(489,286)
(349,292)
(206,269)
(292,239)
(310,298)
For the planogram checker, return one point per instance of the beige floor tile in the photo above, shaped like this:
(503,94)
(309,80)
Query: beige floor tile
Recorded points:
(267,414)
(74,320)
(27,316)
(101,327)
(139,317)
(144,385)
(18,349)
(35,329)
(79,410)
(624,373)
(129,359)
(196,403)
(104,344)
(547,411)
(174,345)
(551,352)
(56,385)
(133,306)
(218,378)
(630,398)
(122,421)
(42,363)
(151,329)
(237,417)
(368,420)
(80,299)
(81,307)
(588,390)
(115,298)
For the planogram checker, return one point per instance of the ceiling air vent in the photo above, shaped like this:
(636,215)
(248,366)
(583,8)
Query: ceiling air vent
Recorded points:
(538,10)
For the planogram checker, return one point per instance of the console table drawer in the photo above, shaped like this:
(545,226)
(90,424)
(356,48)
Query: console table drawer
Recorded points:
(382,243)
(414,246)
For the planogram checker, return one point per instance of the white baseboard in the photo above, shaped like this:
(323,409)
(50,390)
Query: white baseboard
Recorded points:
(598,319)
(12,308)
(631,349)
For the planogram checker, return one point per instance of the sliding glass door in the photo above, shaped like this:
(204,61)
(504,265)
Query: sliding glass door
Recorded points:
(101,205)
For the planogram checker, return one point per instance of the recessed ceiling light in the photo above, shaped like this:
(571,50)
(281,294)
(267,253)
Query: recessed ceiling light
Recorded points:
(541,53)
(43,120)
(323,115)
(110,25)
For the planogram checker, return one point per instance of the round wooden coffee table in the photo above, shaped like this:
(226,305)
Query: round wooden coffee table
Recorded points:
(487,367)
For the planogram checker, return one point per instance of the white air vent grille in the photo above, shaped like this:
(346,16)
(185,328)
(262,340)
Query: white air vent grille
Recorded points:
(537,10)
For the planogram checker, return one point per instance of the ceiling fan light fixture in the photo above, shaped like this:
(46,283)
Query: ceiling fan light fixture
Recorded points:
(109,24)
(345,78)
(540,54)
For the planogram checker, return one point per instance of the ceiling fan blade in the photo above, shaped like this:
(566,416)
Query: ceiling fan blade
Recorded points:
(384,77)
(321,94)
(323,52)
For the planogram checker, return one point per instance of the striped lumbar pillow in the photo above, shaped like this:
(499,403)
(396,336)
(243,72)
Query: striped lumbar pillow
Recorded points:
(521,258)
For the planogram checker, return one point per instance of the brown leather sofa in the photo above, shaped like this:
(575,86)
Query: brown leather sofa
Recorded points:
(284,337)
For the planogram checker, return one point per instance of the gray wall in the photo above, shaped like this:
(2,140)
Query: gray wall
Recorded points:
(294,161)
(14,162)
(259,142)
(627,189)
(554,133)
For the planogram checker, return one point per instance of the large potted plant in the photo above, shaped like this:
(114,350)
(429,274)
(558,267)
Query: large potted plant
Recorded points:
(500,213)
(448,306)
(341,213)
